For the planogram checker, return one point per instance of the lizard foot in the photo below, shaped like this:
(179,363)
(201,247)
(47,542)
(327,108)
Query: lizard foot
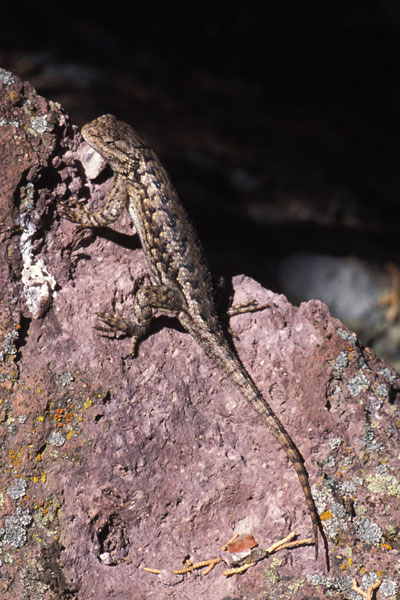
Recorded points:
(117,323)
(238,309)
(75,211)
(114,323)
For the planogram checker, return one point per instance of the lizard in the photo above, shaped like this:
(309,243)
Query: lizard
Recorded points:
(183,284)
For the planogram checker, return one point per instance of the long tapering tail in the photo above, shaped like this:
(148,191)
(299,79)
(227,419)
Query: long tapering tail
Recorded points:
(218,349)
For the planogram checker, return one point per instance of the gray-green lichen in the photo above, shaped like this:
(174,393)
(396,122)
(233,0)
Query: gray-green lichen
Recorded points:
(17,489)
(389,588)
(367,531)
(341,362)
(349,337)
(350,487)
(358,384)
(369,440)
(334,443)
(8,345)
(65,379)
(383,483)
(14,532)
(329,462)
(382,390)
(56,438)
(344,585)
(331,584)
(386,372)
(324,500)
(362,363)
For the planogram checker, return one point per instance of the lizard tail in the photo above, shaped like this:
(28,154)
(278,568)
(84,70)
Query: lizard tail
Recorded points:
(230,364)
(262,407)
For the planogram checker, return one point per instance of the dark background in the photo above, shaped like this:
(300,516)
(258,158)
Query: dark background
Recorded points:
(278,123)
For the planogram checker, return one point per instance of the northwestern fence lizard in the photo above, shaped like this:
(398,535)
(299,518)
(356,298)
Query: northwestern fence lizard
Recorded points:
(183,283)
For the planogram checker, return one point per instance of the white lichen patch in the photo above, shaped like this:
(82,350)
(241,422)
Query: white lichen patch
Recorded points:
(39,284)
(39,124)
(335,516)
(6,77)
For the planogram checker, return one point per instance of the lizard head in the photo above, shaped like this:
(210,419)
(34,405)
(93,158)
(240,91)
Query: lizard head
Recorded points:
(116,141)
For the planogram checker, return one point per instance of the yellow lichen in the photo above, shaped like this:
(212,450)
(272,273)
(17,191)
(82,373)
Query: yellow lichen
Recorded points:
(386,547)
(326,515)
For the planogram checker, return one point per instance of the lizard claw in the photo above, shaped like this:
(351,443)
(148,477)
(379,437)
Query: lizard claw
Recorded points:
(75,211)
(114,322)
(118,323)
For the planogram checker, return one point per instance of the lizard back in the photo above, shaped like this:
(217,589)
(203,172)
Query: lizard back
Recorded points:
(170,242)
(177,261)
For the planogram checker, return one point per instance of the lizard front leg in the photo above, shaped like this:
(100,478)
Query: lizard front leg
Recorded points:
(115,204)
(147,300)
(250,306)
(219,286)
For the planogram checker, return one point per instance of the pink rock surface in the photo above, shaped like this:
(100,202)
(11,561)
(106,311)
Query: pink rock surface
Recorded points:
(112,464)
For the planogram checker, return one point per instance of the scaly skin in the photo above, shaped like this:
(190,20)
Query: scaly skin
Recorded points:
(178,266)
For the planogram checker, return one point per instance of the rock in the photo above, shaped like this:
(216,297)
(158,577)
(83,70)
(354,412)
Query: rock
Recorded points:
(113,464)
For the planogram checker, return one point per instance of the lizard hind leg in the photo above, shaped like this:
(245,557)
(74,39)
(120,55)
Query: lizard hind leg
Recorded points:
(147,300)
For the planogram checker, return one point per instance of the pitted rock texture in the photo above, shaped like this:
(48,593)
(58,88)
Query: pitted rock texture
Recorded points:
(111,464)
